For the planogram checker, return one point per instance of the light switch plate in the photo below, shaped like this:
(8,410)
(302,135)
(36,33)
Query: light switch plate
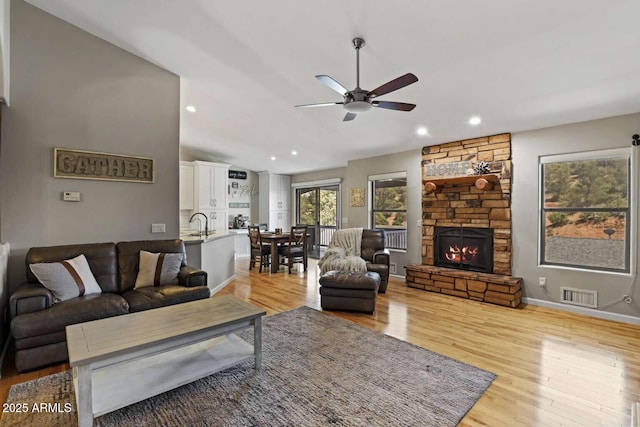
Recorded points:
(71,196)
(158,228)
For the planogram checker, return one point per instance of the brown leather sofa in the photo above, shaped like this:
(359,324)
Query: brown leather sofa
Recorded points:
(372,250)
(38,325)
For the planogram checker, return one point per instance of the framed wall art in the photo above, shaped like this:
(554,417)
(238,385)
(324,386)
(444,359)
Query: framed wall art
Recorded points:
(357,197)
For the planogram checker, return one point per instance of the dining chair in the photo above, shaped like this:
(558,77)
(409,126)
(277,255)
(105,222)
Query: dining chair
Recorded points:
(295,250)
(259,251)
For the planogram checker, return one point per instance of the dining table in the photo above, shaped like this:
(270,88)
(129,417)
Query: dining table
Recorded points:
(275,239)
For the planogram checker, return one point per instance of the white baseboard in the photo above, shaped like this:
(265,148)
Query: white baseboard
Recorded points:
(582,310)
(220,286)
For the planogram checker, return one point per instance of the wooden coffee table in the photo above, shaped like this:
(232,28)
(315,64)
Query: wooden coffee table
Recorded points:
(125,359)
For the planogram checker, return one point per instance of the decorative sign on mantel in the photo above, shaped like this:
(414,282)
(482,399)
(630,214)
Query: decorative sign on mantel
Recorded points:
(460,169)
(442,170)
(79,164)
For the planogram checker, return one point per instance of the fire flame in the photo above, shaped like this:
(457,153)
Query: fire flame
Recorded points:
(467,253)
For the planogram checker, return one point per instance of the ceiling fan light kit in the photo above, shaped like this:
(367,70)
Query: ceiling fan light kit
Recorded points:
(358,100)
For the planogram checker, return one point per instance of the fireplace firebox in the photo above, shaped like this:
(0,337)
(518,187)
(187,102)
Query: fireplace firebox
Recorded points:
(464,248)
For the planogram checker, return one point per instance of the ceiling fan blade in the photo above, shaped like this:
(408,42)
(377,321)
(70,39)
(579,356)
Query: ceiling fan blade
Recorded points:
(323,104)
(395,84)
(332,84)
(399,106)
(348,117)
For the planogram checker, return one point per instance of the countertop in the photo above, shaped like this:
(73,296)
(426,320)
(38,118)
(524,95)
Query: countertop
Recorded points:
(238,231)
(195,240)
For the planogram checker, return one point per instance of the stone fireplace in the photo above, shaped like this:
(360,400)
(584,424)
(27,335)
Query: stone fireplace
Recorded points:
(466,221)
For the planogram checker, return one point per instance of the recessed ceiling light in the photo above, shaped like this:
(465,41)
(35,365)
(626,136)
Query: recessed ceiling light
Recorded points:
(422,131)
(273,157)
(294,153)
(475,120)
(191,108)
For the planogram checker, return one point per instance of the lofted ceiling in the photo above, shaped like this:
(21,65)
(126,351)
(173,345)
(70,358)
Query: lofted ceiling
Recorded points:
(518,64)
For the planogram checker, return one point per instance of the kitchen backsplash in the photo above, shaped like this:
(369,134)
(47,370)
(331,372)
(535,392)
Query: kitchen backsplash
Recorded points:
(242,194)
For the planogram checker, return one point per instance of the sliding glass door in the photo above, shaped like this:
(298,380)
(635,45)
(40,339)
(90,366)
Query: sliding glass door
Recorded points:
(319,208)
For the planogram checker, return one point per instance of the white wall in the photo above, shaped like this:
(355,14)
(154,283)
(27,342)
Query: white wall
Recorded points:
(71,89)
(527,147)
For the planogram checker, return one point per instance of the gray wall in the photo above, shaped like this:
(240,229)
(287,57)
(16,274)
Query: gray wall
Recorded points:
(359,172)
(356,175)
(526,148)
(320,175)
(71,89)
(4,49)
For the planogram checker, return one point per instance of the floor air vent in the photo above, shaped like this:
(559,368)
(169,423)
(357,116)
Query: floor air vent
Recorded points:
(579,297)
(392,268)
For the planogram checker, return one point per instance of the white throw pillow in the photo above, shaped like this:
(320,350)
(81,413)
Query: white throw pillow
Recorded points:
(67,279)
(158,269)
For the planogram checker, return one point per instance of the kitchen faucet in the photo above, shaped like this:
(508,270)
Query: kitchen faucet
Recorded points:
(206,222)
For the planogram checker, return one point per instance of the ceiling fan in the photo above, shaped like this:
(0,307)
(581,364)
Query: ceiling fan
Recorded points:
(359,100)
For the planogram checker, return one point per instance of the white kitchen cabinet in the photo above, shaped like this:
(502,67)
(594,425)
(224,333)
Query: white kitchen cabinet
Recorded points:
(279,191)
(186,185)
(279,219)
(275,193)
(211,184)
(218,220)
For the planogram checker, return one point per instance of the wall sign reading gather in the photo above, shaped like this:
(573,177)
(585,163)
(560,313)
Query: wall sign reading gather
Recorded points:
(80,164)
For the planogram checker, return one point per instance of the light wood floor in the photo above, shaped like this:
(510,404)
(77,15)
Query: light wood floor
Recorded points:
(554,368)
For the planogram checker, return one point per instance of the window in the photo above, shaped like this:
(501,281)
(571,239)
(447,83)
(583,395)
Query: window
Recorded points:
(389,208)
(586,214)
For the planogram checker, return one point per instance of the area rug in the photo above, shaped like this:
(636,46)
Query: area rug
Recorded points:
(317,370)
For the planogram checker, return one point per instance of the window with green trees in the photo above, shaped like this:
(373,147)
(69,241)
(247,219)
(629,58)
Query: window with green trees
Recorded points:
(318,205)
(389,210)
(586,215)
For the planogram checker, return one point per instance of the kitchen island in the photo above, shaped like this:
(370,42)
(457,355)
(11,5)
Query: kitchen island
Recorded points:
(242,244)
(214,254)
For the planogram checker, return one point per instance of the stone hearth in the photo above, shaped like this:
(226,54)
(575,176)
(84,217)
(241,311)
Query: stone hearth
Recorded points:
(492,288)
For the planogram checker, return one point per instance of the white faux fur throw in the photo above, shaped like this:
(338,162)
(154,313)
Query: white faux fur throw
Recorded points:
(343,253)
(348,239)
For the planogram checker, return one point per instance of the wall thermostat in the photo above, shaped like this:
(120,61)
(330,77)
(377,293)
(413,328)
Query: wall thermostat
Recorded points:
(71,196)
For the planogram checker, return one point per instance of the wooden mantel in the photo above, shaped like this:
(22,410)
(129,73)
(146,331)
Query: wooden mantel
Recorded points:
(482,182)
